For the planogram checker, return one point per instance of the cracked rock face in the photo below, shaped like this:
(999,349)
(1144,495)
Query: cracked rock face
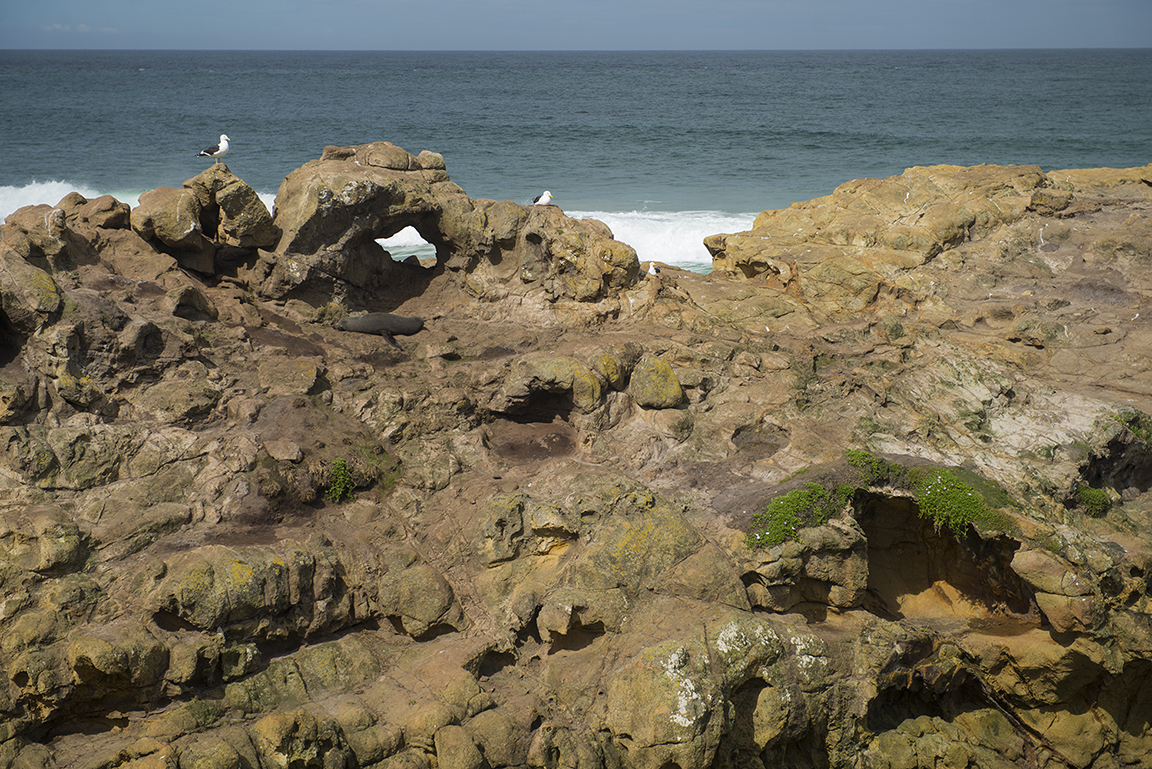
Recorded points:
(233,534)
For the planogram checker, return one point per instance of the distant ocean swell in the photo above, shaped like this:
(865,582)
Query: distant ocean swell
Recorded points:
(671,237)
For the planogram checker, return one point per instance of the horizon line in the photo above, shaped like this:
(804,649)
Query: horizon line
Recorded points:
(583,50)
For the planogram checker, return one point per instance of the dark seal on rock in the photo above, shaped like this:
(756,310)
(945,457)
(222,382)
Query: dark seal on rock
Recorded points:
(383,323)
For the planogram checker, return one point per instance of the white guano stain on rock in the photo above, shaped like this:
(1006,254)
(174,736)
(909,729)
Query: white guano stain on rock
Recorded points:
(731,638)
(689,703)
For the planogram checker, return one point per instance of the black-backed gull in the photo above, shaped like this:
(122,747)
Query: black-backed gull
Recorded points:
(543,200)
(216,150)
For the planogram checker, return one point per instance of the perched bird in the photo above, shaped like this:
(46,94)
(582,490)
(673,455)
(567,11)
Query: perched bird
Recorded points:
(216,150)
(543,200)
(653,269)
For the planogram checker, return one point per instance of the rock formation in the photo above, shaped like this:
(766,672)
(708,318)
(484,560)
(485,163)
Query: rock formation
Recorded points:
(331,212)
(874,493)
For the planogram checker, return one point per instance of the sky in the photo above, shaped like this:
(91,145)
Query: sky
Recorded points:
(574,24)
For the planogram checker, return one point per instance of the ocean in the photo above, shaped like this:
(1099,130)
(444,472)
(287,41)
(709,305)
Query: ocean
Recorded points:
(665,147)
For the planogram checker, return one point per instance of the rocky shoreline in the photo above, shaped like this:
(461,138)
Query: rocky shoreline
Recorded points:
(874,493)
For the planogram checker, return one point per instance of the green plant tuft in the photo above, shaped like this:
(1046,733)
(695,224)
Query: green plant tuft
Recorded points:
(948,501)
(876,471)
(341,486)
(785,515)
(1094,501)
(954,498)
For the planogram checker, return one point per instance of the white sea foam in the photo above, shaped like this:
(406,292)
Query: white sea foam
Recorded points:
(51,193)
(671,237)
(407,243)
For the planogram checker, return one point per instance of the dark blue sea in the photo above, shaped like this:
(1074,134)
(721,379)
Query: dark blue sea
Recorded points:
(666,147)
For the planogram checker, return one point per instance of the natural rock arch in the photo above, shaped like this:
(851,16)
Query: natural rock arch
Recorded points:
(331,211)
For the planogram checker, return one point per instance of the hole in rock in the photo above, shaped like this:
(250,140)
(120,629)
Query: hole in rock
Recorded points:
(1124,463)
(10,342)
(893,707)
(580,637)
(86,726)
(530,633)
(916,571)
(171,623)
(493,662)
(764,440)
(744,700)
(430,634)
(434,632)
(543,406)
(408,243)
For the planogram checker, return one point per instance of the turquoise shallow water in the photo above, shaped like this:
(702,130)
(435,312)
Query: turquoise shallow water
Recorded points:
(665,147)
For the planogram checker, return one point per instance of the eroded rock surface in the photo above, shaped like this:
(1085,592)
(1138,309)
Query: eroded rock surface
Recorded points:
(234,535)
(331,211)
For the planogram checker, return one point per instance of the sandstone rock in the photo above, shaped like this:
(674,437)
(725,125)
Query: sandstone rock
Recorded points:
(299,739)
(475,605)
(209,753)
(370,740)
(113,659)
(171,217)
(290,376)
(456,750)
(190,303)
(1045,572)
(177,401)
(501,529)
(502,741)
(13,398)
(332,211)
(1067,614)
(283,451)
(654,384)
(212,208)
(28,294)
(416,595)
(535,377)
(870,231)
(244,219)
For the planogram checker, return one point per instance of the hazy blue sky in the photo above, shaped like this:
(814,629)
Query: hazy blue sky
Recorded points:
(575,24)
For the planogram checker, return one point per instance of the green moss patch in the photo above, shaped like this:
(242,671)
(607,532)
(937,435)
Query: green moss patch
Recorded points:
(811,505)
(1095,502)
(953,498)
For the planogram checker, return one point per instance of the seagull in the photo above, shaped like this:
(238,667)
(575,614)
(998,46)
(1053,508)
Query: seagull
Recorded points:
(543,200)
(216,150)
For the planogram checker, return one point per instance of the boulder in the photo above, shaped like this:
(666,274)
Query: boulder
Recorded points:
(212,209)
(171,219)
(29,295)
(299,739)
(654,384)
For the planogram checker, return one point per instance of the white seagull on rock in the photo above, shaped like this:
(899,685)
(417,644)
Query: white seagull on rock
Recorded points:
(543,200)
(216,150)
